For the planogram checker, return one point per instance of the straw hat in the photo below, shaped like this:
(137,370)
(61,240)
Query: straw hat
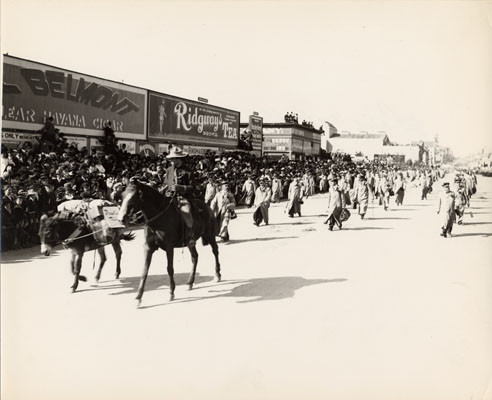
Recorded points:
(176,152)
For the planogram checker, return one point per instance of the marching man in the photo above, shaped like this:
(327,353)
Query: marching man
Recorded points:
(362,195)
(446,208)
(336,203)
(222,206)
(249,189)
(263,197)
(296,192)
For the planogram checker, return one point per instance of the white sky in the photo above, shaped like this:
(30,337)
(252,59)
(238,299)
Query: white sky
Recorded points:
(411,69)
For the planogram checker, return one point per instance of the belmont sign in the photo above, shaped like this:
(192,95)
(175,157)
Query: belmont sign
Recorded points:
(79,104)
(65,86)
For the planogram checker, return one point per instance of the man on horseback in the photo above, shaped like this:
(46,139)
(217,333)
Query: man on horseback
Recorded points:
(178,182)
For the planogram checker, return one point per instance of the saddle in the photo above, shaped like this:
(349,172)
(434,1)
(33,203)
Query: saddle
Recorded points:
(199,212)
(99,216)
(102,219)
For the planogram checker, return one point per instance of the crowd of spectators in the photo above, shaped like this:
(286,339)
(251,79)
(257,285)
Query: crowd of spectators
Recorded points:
(290,117)
(34,180)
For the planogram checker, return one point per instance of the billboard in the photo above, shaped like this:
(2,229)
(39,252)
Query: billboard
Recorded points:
(79,104)
(182,121)
(162,148)
(129,145)
(252,136)
(147,149)
(15,140)
(199,150)
(78,142)
(256,128)
(95,146)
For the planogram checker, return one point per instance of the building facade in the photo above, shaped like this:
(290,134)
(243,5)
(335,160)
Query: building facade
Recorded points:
(291,140)
(144,121)
(363,144)
(406,153)
(376,146)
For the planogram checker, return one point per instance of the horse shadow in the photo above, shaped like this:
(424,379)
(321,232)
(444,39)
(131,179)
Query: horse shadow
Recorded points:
(258,289)
(154,282)
(386,218)
(292,223)
(364,228)
(261,239)
(471,234)
(477,223)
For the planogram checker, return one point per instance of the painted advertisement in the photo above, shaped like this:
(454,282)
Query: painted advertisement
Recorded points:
(162,148)
(184,121)
(96,146)
(78,142)
(147,149)
(199,150)
(16,140)
(252,136)
(128,145)
(256,128)
(79,104)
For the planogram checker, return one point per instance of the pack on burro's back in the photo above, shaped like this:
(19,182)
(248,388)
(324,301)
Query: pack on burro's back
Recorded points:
(102,218)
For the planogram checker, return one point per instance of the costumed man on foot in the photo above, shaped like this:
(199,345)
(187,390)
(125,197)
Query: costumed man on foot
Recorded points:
(362,195)
(446,207)
(263,196)
(178,183)
(336,203)
(296,193)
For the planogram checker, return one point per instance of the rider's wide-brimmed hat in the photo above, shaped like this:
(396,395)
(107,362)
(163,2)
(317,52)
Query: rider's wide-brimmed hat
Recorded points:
(176,152)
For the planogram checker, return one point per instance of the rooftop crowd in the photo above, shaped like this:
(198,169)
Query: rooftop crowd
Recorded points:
(290,117)
(35,179)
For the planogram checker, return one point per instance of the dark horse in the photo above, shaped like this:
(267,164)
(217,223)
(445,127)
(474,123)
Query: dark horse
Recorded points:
(58,229)
(164,228)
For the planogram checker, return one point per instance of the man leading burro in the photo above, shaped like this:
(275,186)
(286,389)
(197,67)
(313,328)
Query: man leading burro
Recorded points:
(178,183)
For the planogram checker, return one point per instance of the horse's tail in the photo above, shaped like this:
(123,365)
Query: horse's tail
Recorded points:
(128,236)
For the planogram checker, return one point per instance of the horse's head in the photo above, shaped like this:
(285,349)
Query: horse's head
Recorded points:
(48,234)
(132,201)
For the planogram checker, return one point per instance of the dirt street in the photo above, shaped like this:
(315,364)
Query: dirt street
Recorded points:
(383,309)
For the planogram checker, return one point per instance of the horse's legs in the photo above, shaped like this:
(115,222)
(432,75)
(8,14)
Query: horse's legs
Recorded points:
(148,258)
(102,258)
(170,270)
(72,262)
(194,260)
(117,252)
(78,266)
(215,250)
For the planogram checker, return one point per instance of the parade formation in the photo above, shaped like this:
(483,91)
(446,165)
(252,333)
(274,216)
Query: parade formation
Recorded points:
(37,182)
(54,194)
(234,200)
(76,184)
